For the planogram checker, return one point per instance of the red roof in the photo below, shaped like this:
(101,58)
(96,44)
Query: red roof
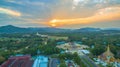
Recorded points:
(21,61)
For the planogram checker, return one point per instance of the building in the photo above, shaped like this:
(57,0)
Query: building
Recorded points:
(41,61)
(18,61)
(72,46)
(85,51)
(41,35)
(107,56)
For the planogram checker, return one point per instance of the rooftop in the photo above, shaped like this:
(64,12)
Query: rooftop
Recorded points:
(41,61)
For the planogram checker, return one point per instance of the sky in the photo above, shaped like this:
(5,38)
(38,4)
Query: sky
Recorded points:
(60,13)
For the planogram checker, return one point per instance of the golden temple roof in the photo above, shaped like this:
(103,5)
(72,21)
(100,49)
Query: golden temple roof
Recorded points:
(108,52)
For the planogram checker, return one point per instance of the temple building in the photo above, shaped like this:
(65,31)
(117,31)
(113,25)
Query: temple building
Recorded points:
(107,56)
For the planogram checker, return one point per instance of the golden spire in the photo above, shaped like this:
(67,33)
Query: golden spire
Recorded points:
(108,56)
(108,52)
(108,48)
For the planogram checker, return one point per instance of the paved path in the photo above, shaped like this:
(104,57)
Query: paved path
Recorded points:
(87,61)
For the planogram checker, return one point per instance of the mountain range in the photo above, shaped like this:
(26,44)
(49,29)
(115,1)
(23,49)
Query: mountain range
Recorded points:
(14,29)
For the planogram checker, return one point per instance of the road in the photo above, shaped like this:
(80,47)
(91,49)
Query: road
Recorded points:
(87,61)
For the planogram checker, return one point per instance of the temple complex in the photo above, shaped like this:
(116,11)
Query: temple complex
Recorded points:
(107,56)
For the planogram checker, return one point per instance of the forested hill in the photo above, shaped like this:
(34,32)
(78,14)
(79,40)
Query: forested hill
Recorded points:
(14,29)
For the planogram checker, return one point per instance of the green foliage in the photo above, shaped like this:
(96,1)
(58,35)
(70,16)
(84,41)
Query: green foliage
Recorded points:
(63,65)
(99,49)
(48,50)
(66,56)
(75,57)
(11,44)
(110,65)
(2,59)
(77,60)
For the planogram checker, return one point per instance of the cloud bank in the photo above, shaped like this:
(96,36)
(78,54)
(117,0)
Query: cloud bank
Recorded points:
(9,12)
(63,13)
(102,15)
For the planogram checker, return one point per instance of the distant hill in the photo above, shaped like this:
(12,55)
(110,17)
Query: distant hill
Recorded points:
(88,29)
(14,29)
(117,29)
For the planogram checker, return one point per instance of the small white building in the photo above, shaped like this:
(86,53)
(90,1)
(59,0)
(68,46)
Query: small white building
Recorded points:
(85,51)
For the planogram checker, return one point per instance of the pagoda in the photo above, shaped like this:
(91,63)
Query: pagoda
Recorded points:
(107,56)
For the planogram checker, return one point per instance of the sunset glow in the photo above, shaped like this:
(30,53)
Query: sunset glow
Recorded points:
(59,33)
(60,13)
(9,12)
(102,15)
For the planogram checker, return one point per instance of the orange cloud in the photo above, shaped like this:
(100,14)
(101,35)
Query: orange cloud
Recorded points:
(106,14)
(9,12)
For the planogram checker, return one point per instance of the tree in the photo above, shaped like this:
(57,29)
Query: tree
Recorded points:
(99,49)
(110,65)
(63,65)
(2,59)
(62,56)
(77,60)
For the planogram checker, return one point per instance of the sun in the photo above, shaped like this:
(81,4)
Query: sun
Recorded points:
(53,23)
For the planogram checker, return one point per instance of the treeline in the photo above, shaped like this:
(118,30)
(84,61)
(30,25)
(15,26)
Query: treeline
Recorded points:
(74,57)
(99,49)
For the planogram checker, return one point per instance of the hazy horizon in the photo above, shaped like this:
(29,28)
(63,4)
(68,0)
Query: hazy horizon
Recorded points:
(60,28)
